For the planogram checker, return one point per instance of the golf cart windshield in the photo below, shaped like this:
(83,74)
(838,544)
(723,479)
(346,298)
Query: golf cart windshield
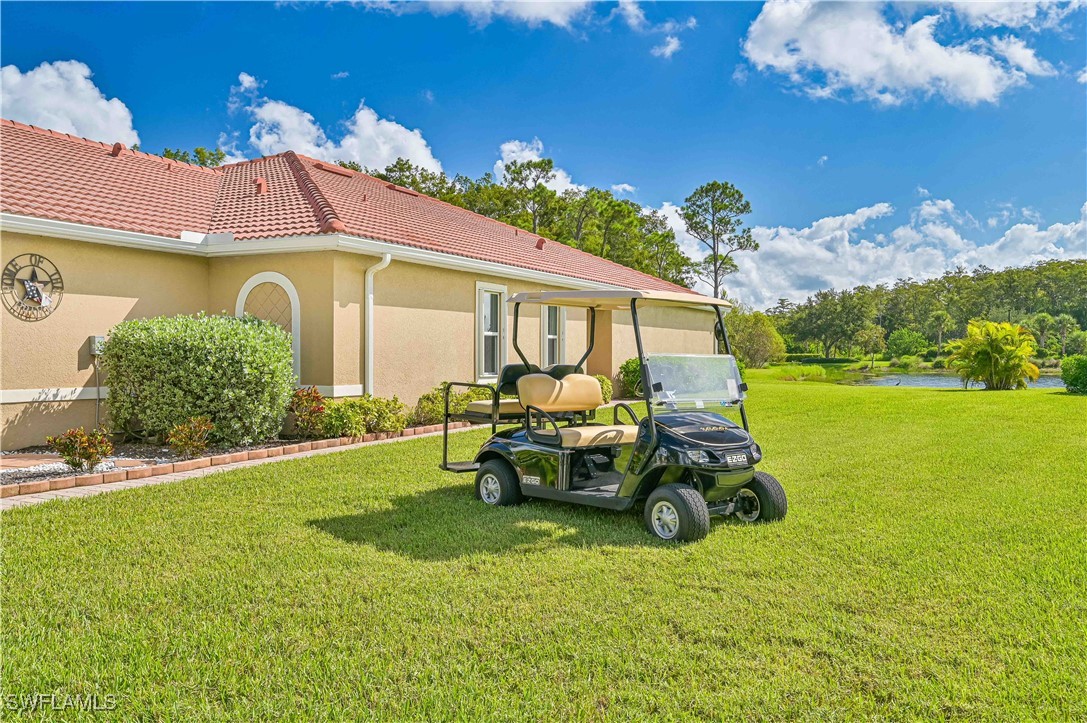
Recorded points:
(697,380)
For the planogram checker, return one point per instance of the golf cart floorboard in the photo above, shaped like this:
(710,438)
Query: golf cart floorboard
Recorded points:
(604,496)
(460,467)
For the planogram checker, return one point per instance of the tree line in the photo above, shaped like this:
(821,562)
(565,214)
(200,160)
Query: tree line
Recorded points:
(1048,298)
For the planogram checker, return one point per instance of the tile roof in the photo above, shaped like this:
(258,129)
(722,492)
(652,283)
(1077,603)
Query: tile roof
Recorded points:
(52,175)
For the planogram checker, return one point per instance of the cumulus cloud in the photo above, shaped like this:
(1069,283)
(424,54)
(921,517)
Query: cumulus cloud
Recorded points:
(341,75)
(1037,15)
(560,13)
(835,252)
(623,188)
(822,160)
(1082,77)
(365,137)
(668,48)
(532,151)
(61,95)
(830,50)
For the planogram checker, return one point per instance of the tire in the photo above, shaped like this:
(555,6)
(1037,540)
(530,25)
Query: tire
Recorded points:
(497,484)
(764,498)
(677,513)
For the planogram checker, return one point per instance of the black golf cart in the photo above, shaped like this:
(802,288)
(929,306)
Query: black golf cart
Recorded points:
(682,460)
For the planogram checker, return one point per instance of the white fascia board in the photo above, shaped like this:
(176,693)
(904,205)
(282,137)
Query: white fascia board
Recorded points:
(96,234)
(217,245)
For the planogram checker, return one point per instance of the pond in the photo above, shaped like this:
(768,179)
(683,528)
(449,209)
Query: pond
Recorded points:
(939,381)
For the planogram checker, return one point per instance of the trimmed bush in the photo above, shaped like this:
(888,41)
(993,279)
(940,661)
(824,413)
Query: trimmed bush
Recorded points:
(430,409)
(380,415)
(1074,373)
(308,407)
(605,387)
(344,418)
(630,377)
(81,450)
(164,371)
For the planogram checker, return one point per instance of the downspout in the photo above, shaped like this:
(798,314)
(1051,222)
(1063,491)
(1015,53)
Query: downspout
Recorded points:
(368,314)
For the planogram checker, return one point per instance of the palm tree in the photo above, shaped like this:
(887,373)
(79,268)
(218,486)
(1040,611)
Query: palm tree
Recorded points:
(940,322)
(1065,324)
(1041,324)
(995,354)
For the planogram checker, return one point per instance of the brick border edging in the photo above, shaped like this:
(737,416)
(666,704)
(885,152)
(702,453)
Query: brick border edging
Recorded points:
(190,465)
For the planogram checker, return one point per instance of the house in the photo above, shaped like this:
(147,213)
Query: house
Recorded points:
(384,290)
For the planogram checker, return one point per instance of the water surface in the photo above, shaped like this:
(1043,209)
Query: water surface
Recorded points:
(944,381)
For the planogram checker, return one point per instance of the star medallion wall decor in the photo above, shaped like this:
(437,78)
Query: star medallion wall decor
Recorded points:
(32,287)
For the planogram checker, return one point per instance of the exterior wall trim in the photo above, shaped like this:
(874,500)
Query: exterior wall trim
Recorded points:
(274,277)
(52,395)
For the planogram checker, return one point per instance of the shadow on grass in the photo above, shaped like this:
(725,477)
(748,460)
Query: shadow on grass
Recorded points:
(449,523)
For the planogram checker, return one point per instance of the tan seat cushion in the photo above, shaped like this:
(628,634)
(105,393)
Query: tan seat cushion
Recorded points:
(596,435)
(505,407)
(572,393)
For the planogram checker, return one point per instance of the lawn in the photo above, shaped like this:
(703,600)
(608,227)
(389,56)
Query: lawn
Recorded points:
(933,565)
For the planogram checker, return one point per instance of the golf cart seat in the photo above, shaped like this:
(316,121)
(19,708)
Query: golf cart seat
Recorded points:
(573,393)
(506,408)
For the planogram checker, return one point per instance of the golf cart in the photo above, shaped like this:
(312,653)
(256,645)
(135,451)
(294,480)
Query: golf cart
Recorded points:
(683,461)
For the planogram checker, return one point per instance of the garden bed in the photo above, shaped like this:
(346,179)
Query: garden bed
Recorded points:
(139,461)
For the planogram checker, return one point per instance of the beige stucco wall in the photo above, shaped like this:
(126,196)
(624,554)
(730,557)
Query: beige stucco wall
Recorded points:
(424,322)
(103,285)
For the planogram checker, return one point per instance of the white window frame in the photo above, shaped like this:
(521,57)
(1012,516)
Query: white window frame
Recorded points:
(273,277)
(561,335)
(482,289)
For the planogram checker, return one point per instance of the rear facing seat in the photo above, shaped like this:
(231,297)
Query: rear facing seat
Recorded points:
(572,393)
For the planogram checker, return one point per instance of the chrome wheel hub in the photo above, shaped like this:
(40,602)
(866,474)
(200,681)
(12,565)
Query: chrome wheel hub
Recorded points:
(665,520)
(490,489)
(747,505)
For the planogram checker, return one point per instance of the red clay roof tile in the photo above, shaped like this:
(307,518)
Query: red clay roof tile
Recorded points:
(51,175)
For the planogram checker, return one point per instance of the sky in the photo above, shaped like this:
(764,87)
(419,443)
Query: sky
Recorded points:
(874,141)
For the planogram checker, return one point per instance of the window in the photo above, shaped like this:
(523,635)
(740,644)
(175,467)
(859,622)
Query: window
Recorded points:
(553,335)
(490,330)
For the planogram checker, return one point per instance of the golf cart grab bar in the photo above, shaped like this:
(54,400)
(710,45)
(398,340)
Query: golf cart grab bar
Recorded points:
(445,417)
(555,439)
(584,357)
(625,407)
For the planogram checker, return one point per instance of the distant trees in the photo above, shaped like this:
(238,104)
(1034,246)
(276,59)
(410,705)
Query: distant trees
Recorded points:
(712,214)
(753,337)
(199,156)
(906,342)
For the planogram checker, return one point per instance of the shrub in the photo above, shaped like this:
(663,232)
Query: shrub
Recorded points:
(906,342)
(799,372)
(1074,373)
(605,387)
(754,339)
(995,354)
(81,450)
(931,353)
(430,409)
(344,419)
(167,370)
(308,407)
(907,362)
(939,363)
(381,415)
(190,438)
(630,377)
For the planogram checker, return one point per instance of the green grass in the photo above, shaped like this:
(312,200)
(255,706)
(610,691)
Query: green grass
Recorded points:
(933,565)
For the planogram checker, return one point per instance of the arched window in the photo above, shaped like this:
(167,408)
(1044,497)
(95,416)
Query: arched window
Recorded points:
(271,296)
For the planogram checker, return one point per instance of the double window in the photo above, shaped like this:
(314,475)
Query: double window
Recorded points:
(553,335)
(490,330)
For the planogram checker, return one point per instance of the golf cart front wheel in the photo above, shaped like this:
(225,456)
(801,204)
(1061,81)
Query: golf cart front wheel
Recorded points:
(762,500)
(677,512)
(497,484)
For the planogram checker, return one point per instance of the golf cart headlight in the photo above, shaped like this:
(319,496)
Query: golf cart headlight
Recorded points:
(756,452)
(698,456)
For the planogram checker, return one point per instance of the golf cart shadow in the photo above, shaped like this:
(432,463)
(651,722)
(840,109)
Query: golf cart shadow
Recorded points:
(449,523)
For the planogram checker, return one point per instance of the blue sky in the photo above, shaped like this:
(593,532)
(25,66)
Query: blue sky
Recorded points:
(873,140)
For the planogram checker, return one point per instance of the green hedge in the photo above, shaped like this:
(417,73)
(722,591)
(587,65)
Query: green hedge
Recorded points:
(630,377)
(1074,373)
(430,409)
(164,371)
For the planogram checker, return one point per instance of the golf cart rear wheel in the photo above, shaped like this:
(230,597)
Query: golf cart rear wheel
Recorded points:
(762,500)
(677,512)
(497,484)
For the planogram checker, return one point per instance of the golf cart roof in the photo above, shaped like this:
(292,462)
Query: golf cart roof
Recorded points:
(618,299)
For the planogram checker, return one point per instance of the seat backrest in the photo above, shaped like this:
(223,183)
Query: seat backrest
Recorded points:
(507,378)
(572,393)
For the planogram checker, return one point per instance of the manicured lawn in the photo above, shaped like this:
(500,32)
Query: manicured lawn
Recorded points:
(933,565)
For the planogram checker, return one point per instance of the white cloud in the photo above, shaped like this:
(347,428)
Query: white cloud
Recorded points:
(623,188)
(822,160)
(922,191)
(1037,15)
(668,48)
(1007,212)
(368,139)
(341,75)
(632,14)
(61,96)
(560,13)
(828,50)
(1082,77)
(428,95)
(247,82)
(532,151)
(834,252)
